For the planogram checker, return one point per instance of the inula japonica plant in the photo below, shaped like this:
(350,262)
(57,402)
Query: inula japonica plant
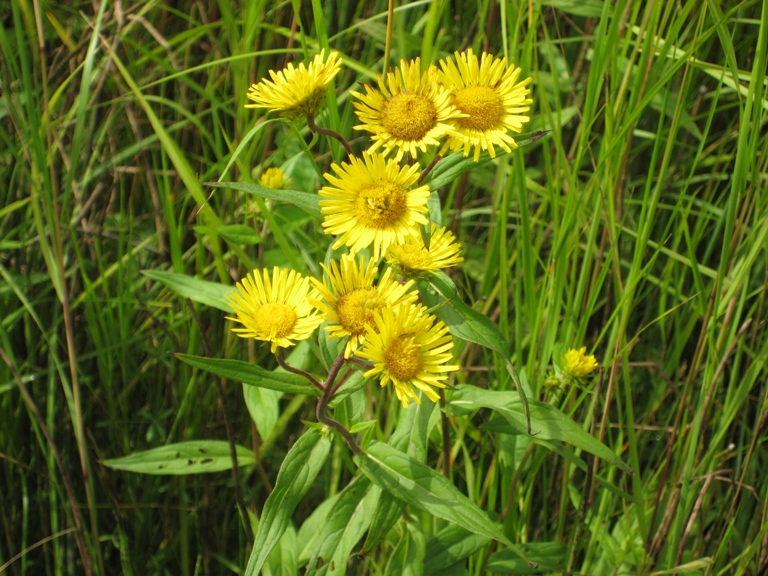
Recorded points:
(376,287)
(383,310)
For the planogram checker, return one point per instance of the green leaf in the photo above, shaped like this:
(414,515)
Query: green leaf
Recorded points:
(309,531)
(252,375)
(307,202)
(550,557)
(410,436)
(463,321)
(389,510)
(205,292)
(283,560)
(408,557)
(234,233)
(343,527)
(468,324)
(424,489)
(301,466)
(264,408)
(588,8)
(547,422)
(195,457)
(450,545)
(450,168)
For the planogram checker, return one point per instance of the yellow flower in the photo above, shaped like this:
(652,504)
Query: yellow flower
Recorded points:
(272,178)
(351,300)
(274,309)
(412,257)
(409,111)
(490,97)
(296,92)
(577,363)
(411,349)
(369,203)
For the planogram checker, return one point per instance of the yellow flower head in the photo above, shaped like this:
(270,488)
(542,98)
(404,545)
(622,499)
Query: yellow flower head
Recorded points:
(296,92)
(369,202)
(409,111)
(351,300)
(577,363)
(272,178)
(412,257)
(274,308)
(411,349)
(491,100)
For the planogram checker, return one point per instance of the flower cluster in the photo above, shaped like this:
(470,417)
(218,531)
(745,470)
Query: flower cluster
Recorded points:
(375,205)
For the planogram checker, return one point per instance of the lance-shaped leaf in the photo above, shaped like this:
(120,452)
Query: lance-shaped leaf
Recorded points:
(234,233)
(344,526)
(424,489)
(408,557)
(195,457)
(450,545)
(463,321)
(205,292)
(252,375)
(307,202)
(468,324)
(550,557)
(301,466)
(548,423)
(448,169)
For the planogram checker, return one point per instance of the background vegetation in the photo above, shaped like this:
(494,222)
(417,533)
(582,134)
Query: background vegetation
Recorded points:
(637,228)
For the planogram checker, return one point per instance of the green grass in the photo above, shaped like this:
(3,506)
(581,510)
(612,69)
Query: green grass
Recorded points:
(637,228)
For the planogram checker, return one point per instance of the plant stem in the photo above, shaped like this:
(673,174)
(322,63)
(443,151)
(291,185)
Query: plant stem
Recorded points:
(388,42)
(328,132)
(322,404)
(428,169)
(288,368)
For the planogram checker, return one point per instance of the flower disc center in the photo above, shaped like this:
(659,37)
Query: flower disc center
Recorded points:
(356,309)
(409,117)
(402,358)
(483,106)
(380,205)
(275,319)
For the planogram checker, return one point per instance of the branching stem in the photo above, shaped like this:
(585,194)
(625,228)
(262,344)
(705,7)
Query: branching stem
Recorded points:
(328,132)
(322,404)
(288,368)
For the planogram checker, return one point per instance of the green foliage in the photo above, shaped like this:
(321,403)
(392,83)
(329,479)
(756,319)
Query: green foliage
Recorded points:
(636,227)
(183,459)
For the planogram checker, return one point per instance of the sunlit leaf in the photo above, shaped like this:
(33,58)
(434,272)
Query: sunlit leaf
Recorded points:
(424,489)
(251,374)
(547,422)
(235,233)
(205,292)
(304,200)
